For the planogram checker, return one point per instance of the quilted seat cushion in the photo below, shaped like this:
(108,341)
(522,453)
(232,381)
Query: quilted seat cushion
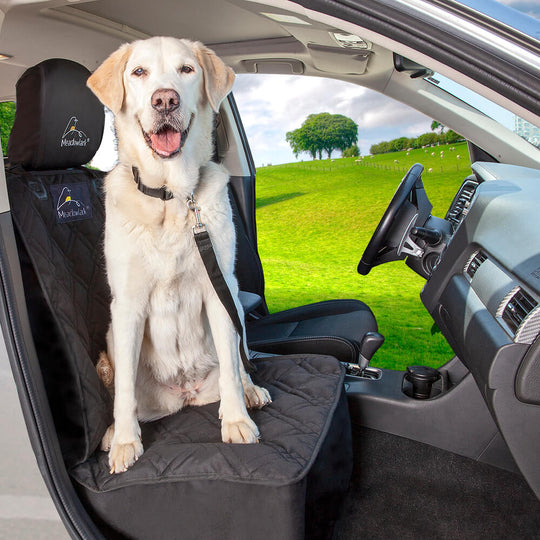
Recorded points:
(67,296)
(288,486)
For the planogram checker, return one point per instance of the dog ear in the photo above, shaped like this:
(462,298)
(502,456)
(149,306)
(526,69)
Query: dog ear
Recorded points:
(218,77)
(107,82)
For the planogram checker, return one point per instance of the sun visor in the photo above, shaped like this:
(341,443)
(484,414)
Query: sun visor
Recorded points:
(339,60)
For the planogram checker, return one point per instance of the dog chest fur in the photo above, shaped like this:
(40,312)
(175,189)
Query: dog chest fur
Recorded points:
(176,342)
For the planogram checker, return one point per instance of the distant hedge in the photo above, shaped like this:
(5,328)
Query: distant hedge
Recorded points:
(352,151)
(427,139)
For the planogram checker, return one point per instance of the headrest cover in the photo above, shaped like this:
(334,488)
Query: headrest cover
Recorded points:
(58,120)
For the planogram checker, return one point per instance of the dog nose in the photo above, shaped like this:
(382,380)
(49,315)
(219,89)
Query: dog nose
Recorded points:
(165,100)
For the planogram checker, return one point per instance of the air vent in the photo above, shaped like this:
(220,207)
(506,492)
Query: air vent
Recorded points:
(461,202)
(474,263)
(517,309)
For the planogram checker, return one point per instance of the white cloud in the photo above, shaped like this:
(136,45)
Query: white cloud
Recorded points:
(271,105)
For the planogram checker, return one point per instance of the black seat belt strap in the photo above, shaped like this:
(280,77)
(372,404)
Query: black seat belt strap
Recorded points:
(208,256)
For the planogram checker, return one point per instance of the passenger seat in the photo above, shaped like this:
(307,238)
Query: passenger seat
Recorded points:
(346,329)
(188,482)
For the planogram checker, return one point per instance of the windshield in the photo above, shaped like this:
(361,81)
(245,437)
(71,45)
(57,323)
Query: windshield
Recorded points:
(529,7)
(526,130)
(522,15)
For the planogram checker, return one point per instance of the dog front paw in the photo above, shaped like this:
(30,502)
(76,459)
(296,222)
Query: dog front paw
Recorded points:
(241,432)
(106,442)
(256,397)
(124,455)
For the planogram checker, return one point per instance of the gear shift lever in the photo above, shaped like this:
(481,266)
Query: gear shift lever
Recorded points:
(369,345)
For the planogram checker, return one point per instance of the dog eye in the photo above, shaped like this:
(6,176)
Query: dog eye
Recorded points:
(186,69)
(139,72)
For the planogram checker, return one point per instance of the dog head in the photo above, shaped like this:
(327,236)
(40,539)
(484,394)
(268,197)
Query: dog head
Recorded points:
(161,90)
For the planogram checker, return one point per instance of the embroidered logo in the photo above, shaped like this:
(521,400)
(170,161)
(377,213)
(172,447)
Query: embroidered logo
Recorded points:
(71,202)
(73,136)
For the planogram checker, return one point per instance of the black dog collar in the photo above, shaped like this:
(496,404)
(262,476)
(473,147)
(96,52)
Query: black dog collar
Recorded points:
(159,193)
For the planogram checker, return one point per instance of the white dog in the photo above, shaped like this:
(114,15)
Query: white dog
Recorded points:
(171,342)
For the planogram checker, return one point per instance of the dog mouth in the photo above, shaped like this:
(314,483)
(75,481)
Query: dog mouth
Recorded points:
(167,141)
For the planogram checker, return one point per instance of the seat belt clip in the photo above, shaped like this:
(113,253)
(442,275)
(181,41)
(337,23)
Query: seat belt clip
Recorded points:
(192,205)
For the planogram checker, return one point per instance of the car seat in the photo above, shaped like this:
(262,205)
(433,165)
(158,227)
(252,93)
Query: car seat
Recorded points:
(346,329)
(187,483)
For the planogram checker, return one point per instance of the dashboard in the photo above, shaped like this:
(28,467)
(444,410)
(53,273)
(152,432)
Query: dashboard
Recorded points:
(484,294)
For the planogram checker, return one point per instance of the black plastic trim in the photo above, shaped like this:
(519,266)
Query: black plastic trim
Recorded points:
(244,190)
(456,420)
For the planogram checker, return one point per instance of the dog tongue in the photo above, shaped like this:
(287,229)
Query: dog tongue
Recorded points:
(166,141)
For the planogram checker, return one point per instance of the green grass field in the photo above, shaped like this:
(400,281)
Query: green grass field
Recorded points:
(314,220)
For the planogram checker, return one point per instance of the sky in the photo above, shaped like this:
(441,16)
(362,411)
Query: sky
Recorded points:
(529,7)
(271,105)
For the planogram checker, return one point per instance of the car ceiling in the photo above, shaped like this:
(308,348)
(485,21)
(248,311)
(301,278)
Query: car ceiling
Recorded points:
(209,21)
(87,31)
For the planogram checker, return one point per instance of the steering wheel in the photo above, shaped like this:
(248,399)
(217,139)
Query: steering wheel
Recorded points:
(396,222)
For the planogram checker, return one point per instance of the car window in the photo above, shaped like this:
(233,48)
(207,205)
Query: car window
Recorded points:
(528,7)
(526,130)
(272,105)
(316,216)
(7,116)
(522,15)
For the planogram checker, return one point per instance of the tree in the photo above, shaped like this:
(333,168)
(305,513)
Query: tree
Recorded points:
(427,139)
(294,139)
(452,137)
(303,139)
(323,132)
(437,125)
(379,148)
(352,151)
(402,143)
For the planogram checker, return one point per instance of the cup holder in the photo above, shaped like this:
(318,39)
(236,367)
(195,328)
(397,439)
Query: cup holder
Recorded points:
(422,382)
